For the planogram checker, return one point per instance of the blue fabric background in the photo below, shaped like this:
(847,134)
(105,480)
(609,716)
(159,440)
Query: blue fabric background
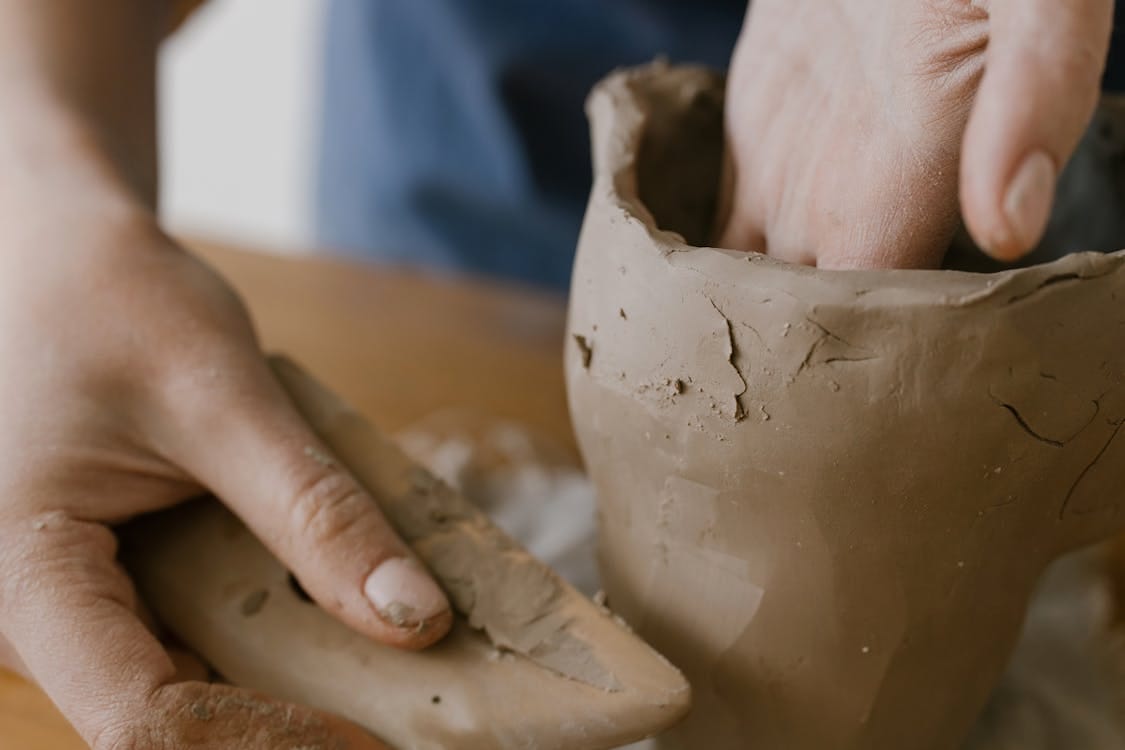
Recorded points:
(453,132)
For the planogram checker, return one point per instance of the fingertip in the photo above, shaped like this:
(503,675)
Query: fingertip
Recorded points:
(408,600)
(424,635)
(1008,225)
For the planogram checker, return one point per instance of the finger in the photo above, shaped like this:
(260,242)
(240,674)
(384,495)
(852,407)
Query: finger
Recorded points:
(186,665)
(67,610)
(244,439)
(1042,76)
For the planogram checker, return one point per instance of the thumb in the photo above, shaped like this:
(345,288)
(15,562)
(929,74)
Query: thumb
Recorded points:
(244,440)
(1042,77)
(68,615)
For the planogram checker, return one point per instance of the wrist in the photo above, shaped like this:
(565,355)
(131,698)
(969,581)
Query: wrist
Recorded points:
(55,166)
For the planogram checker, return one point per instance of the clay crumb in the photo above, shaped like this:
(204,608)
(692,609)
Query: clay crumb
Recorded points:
(254,602)
(600,598)
(436,700)
(201,711)
(585,349)
(316,454)
(621,313)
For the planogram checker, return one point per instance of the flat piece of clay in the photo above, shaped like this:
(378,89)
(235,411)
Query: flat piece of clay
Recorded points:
(530,663)
(827,496)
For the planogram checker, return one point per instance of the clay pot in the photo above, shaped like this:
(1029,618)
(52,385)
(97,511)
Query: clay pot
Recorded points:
(827,496)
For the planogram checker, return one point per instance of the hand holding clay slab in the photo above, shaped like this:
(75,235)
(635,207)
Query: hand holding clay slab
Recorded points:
(826,495)
(530,663)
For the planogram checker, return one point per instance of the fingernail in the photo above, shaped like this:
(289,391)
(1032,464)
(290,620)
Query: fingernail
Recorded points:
(1027,204)
(404,594)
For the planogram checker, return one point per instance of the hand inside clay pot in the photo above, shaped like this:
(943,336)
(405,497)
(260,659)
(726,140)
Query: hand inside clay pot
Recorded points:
(826,495)
(851,125)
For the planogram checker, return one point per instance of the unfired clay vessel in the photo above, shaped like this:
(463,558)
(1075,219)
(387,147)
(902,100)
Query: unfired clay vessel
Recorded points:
(825,495)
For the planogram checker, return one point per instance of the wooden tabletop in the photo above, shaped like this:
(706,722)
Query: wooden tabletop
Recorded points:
(399,346)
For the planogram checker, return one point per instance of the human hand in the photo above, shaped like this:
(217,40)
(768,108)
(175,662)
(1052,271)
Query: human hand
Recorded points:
(853,124)
(131,381)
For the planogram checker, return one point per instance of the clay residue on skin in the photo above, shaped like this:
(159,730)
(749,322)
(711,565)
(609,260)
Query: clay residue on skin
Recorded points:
(400,615)
(229,716)
(500,588)
(322,458)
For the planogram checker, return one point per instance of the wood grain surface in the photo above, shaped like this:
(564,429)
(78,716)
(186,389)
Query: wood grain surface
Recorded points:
(399,346)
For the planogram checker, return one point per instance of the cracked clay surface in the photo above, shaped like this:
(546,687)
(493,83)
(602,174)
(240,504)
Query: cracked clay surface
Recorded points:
(812,479)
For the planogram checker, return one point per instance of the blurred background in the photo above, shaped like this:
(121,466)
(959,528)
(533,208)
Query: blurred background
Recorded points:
(239,87)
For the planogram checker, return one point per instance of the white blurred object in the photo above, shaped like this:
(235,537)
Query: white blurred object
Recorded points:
(239,90)
(1065,686)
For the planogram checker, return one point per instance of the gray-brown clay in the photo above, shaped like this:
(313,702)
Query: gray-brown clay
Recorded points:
(530,662)
(826,496)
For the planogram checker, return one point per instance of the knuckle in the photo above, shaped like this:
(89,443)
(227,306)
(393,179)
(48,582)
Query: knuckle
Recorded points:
(329,505)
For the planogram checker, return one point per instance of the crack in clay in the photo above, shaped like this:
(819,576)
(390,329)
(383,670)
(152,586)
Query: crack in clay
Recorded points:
(754,331)
(990,289)
(732,356)
(826,336)
(1082,475)
(808,357)
(1026,427)
(1031,432)
(1061,278)
(829,334)
(585,348)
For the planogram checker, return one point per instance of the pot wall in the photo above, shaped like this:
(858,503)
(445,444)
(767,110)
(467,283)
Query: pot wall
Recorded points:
(825,495)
